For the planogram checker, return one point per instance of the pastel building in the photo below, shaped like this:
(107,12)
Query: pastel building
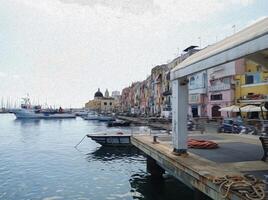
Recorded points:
(252,86)
(198,94)
(221,87)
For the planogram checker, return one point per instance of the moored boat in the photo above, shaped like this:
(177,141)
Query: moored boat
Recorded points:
(27,111)
(111,139)
(104,118)
(91,116)
(118,123)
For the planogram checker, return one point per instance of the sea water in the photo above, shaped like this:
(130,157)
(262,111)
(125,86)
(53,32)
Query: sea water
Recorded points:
(38,161)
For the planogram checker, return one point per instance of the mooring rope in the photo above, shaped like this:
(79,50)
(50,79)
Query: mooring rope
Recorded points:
(80,141)
(247,185)
(202,144)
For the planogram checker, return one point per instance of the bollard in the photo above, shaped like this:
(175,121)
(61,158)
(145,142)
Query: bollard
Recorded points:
(155,139)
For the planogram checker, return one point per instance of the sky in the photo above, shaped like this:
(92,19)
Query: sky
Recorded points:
(61,51)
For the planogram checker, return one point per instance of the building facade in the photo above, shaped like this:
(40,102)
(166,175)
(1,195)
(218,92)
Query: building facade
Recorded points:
(101,103)
(252,85)
(198,94)
(158,75)
(221,87)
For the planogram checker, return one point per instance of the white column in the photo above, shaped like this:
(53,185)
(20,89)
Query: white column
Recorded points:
(179,115)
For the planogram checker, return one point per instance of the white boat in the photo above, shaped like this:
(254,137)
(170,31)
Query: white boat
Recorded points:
(27,111)
(81,113)
(95,116)
(104,118)
(91,116)
(111,139)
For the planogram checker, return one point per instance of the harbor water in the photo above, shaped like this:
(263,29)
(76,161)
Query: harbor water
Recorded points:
(38,161)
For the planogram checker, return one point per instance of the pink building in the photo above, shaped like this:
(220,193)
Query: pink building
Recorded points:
(221,87)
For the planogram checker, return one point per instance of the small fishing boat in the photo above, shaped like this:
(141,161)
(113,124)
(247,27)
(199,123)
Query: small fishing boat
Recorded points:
(111,139)
(81,113)
(118,123)
(91,116)
(104,118)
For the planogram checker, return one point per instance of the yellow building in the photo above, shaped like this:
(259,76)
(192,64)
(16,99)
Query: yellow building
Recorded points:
(252,85)
(101,103)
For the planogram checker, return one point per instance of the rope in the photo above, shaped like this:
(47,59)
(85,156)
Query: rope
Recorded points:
(248,186)
(202,144)
(80,141)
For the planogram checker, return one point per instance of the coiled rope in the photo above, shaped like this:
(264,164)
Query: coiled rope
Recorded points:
(248,186)
(201,144)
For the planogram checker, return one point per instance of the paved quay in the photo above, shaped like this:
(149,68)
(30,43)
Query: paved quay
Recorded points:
(236,155)
(146,122)
(210,127)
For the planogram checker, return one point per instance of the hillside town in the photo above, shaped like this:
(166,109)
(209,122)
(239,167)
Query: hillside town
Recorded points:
(241,82)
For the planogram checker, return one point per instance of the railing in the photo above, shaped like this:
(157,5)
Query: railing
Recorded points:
(218,87)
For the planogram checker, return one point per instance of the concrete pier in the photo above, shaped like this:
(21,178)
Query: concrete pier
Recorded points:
(154,169)
(236,155)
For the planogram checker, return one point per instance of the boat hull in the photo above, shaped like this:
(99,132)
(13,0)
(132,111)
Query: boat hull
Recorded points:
(21,114)
(115,123)
(113,140)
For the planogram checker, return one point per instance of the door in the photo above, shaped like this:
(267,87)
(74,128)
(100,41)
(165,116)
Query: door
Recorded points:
(195,111)
(215,111)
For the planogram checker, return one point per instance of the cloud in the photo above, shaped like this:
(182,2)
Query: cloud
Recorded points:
(136,7)
(16,76)
(80,45)
(3,74)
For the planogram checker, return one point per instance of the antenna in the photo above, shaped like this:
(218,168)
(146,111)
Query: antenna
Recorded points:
(199,38)
(234,26)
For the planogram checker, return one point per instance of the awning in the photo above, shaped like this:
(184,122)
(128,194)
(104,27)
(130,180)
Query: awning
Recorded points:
(252,108)
(232,108)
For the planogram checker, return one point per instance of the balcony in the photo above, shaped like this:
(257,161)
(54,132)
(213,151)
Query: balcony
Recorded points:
(254,84)
(219,87)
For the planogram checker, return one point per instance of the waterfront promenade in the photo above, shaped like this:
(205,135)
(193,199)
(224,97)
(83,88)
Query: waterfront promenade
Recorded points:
(236,155)
(210,127)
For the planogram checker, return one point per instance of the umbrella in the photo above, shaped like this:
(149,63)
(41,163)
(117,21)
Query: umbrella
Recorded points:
(252,108)
(232,108)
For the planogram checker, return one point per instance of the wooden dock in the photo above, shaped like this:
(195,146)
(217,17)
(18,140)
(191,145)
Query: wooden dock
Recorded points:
(236,155)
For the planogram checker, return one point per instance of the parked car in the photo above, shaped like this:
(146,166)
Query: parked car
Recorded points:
(265,128)
(230,125)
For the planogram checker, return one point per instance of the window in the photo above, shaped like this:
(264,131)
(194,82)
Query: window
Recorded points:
(192,80)
(212,83)
(216,97)
(252,78)
(249,79)
(105,103)
(226,80)
(111,103)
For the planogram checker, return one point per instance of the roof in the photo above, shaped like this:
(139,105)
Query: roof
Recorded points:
(98,93)
(189,48)
(248,34)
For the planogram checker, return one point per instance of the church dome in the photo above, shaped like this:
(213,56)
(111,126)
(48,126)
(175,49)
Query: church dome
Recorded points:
(98,93)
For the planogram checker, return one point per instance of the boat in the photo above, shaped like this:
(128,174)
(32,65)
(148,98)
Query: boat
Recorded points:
(91,116)
(28,111)
(104,118)
(111,139)
(81,113)
(118,123)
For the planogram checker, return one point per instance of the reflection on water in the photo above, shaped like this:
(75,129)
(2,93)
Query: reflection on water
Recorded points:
(39,161)
(116,153)
(29,122)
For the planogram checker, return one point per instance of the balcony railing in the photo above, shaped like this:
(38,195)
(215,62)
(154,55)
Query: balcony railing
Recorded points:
(219,87)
